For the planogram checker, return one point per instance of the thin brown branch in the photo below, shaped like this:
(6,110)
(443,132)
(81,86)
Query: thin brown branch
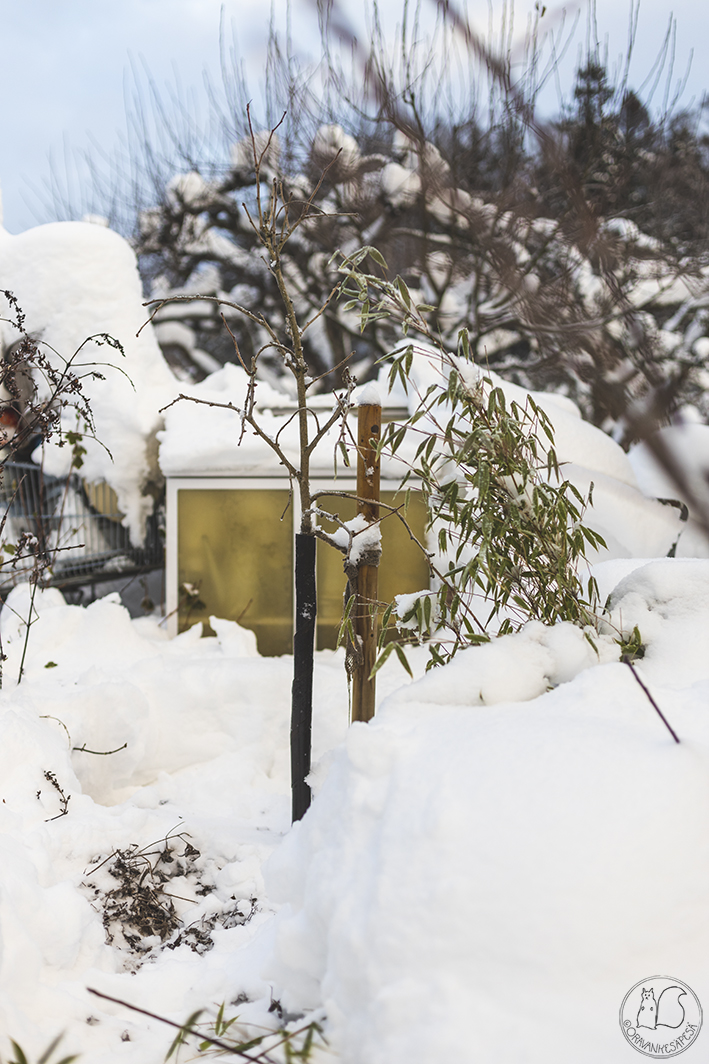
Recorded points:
(250,372)
(178,1026)
(651,700)
(343,408)
(320,313)
(100,753)
(251,421)
(327,372)
(258,319)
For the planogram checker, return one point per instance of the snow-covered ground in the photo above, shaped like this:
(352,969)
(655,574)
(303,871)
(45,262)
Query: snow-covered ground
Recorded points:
(206,764)
(488,867)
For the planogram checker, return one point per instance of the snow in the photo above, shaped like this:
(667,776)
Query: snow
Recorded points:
(206,726)
(202,440)
(362,540)
(400,185)
(575,441)
(687,445)
(175,332)
(265,146)
(331,139)
(510,845)
(543,657)
(74,280)
(633,524)
(488,866)
(497,878)
(189,190)
(369,396)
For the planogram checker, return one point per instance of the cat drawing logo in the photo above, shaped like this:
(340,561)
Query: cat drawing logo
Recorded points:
(661,1016)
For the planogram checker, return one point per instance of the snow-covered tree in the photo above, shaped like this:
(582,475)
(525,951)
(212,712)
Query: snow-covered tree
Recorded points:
(574,252)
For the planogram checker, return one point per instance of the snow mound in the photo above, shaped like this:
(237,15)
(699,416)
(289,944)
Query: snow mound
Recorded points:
(497,878)
(205,439)
(74,280)
(109,685)
(200,733)
(688,446)
(494,874)
(515,668)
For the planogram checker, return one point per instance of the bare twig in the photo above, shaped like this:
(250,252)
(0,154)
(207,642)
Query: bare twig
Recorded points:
(263,1057)
(100,753)
(178,1026)
(650,699)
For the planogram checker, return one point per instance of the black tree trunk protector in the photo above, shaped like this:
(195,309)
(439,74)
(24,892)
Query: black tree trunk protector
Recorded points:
(303,647)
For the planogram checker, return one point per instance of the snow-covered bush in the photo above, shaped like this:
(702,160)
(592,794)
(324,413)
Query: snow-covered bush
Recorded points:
(75,280)
(580,304)
(510,526)
(42,394)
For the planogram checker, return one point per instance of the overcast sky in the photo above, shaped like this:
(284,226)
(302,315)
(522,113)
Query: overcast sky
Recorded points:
(65,64)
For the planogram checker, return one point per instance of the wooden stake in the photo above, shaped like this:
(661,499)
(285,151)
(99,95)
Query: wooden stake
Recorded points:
(367,579)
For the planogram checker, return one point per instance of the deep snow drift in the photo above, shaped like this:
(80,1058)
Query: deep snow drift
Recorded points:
(486,883)
(487,869)
(73,280)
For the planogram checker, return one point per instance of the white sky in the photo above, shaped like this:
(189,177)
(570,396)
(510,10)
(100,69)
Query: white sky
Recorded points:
(64,64)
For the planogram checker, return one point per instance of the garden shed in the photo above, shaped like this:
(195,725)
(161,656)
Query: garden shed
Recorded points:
(231,521)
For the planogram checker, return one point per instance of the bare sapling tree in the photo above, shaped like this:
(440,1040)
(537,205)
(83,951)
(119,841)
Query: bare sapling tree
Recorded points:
(277,216)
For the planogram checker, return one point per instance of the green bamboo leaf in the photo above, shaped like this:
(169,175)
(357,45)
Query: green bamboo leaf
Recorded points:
(408,360)
(464,343)
(181,1036)
(384,626)
(403,292)
(385,654)
(346,623)
(548,431)
(589,638)
(243,1047)
(50,1049)
(378,257)
(402,658)
(218,1023)
(21,1058)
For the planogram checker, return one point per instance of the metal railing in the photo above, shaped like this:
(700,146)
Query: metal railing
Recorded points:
(76,529)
